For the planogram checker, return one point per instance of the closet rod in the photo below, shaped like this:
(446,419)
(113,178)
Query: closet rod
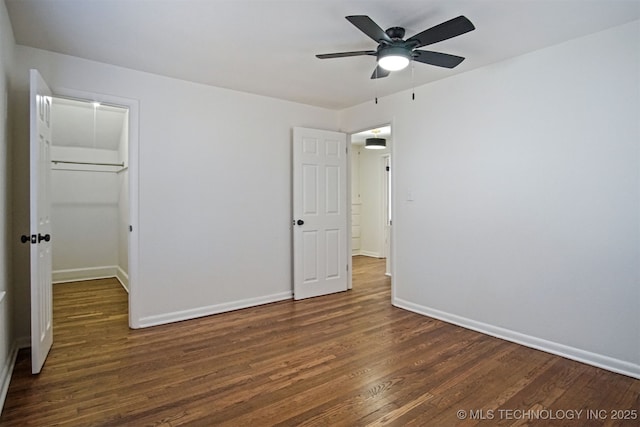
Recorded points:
(87,163)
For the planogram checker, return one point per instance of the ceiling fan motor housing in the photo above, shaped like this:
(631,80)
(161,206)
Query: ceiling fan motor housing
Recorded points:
(395,33)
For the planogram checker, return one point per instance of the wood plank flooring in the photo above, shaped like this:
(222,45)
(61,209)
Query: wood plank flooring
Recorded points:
(347,359)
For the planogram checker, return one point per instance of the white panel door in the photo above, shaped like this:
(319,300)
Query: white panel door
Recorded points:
(320,251)
(40,221)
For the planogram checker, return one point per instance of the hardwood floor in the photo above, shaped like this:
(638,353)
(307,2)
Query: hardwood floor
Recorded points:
(341,360)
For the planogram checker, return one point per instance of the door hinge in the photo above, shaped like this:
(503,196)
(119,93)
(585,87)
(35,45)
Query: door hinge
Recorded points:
(387,168)
(130,228)
(347,267)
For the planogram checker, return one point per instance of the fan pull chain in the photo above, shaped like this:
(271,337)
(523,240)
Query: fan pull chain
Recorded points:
(375,85)
(413,83)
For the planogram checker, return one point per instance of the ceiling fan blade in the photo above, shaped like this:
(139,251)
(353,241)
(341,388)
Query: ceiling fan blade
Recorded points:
(379,73)
(370,28)
(436,58)
(451,28)
(346,54)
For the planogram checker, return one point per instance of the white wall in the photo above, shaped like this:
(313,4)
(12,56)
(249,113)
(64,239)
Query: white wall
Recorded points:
(84,213)
(525,179)
(372,177)
(214,186)
(7,238)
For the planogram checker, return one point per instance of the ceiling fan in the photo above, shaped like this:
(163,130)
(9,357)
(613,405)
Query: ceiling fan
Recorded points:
(394,53)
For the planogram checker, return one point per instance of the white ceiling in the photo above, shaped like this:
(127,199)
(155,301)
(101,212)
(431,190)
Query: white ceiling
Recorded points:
(83,124)
(267,47)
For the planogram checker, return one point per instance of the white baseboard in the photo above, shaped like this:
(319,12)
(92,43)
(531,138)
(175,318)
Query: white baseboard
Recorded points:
(5,376)
(7,369)
(370,254)
(123,278)
(92,273)
(594,359)
(178,316)
(79,274)
(8,350)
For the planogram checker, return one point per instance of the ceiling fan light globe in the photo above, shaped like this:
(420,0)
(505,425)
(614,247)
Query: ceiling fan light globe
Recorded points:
(393,63)
(394,59)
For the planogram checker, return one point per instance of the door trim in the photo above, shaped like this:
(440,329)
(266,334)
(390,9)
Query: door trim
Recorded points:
(386,205)
(134,161)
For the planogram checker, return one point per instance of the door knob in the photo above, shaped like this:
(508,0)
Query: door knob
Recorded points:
(46,237)
(299,222)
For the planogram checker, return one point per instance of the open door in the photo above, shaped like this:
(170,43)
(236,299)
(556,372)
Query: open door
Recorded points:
(40,221)
(320,251)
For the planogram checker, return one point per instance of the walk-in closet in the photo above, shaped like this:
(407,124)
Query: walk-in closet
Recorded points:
(90,186)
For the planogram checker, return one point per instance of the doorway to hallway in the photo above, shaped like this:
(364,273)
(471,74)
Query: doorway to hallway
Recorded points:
(371,198)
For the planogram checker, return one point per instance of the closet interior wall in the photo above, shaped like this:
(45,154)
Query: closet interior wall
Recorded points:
(89,201)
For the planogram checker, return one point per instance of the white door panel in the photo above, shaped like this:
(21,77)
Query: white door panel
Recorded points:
(310,248)
(40,221)
(310,194)
(319,211)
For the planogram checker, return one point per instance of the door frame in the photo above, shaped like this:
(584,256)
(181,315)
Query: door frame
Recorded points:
(134,159)
(386,205)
